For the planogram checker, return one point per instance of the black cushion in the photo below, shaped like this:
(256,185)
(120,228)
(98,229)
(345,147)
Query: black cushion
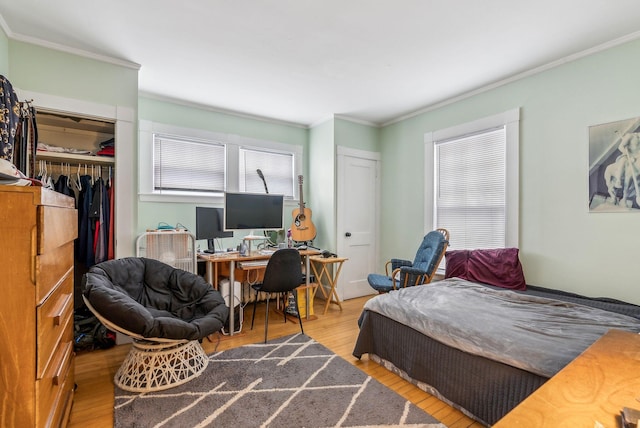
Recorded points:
(152,299)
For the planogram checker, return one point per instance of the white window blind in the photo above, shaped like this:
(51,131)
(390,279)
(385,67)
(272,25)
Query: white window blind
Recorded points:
(470,189)
(276,168)
(184,165)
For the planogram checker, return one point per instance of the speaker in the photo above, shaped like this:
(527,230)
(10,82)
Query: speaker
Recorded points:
(326,254)
(238,317)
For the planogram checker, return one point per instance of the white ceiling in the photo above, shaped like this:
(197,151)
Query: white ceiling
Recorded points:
(304,61)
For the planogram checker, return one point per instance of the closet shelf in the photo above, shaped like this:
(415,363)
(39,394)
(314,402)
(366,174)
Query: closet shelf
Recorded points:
(74,158)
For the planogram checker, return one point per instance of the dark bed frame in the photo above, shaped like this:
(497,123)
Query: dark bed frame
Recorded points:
(483,389)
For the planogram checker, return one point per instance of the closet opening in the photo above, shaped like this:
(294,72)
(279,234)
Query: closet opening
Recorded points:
(76,156)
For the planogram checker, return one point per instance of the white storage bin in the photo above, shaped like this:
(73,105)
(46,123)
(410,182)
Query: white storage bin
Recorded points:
(238,309)
(223,286)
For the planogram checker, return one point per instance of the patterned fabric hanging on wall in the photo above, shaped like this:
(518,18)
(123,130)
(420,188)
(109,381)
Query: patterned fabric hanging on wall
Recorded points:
(26,141)
(9,118)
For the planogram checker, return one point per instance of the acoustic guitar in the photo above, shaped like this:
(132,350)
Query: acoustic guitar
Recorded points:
(302,228)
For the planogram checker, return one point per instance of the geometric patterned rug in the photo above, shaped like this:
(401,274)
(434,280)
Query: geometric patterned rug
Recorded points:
(289,382)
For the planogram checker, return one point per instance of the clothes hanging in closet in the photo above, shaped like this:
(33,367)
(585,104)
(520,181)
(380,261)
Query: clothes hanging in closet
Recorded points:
(63,185)
(99,219)
(85,232)
(94,200)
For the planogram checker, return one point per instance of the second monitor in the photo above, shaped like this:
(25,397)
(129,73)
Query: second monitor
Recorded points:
(209,226)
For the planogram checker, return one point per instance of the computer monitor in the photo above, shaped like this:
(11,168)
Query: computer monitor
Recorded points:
(209,225)
(253,211)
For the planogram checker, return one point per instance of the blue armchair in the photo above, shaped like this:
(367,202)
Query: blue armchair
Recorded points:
(405,273)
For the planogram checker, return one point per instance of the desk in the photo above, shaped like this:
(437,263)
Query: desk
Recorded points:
(325,262)
(214,261)
(593,387)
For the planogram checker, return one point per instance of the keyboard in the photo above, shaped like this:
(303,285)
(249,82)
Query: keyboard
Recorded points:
(253,263)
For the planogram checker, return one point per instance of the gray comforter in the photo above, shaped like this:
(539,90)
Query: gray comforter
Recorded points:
(533,333)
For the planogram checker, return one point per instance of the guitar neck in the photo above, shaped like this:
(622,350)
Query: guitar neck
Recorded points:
(301,196)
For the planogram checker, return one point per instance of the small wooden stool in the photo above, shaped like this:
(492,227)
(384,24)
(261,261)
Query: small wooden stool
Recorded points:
(332,297)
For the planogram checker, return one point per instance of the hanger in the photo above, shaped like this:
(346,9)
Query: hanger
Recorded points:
(49,180)
(68,174)
(76,181)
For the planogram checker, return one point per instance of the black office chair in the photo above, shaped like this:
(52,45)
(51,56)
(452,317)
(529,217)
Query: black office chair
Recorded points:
(282,275)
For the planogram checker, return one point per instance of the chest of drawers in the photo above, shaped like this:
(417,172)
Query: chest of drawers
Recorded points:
(590,391)
(37,230)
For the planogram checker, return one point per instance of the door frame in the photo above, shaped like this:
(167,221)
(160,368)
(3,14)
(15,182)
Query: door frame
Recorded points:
(341,153)
(124,118)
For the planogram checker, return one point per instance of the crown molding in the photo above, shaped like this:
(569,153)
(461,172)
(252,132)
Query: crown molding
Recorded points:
(519,76)
(322,120)
(74,51)
(185,103)
(62,48)
(358,121)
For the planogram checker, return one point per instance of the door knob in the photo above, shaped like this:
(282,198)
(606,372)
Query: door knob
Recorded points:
(348,234)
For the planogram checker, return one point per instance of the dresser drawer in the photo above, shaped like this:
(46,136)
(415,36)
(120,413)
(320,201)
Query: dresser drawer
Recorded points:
(51,267)
(54,390)
(54,323)
(56,227)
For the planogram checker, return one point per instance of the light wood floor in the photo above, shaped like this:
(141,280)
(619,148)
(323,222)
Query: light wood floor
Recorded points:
(337,330)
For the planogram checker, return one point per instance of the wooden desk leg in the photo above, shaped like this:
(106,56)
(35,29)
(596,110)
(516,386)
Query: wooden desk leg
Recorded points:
(212,278)
(307,282)
(209,273)
(212,274)
(232,283)
(216,275)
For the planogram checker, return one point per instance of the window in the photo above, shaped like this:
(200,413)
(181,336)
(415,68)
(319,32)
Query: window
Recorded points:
(178,165)
(475,182)
(275,172)
(470,181)
(191,165)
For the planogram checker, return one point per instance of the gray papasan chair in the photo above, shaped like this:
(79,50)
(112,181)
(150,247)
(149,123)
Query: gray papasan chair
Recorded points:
(166,311)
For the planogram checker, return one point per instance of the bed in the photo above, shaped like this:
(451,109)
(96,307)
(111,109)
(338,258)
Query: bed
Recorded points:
(479,346)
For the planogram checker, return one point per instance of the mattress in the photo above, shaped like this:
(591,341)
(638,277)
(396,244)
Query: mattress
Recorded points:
(479,386)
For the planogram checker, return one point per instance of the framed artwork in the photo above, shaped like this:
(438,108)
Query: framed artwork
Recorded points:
(614,166)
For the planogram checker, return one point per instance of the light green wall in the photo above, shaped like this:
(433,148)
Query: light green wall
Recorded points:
(322,178)
(209,120)
(357,136)
(562,245)
(4,54)
(53,72)
(151,213)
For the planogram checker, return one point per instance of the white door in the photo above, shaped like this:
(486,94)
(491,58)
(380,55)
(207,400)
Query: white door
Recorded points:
(357,219)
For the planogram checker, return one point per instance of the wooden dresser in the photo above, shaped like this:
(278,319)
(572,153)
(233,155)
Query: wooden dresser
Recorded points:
(37,229)
(590,390)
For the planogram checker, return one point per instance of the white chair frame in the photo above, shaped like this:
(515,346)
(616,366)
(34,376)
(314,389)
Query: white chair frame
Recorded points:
(154,363)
